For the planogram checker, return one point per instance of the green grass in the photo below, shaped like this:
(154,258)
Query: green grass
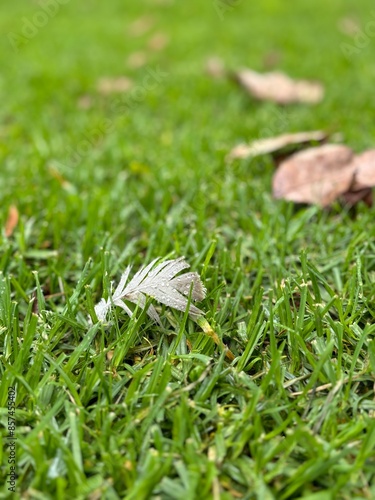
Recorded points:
(140,411)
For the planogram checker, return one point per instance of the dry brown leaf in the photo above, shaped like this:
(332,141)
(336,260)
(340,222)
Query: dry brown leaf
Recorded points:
(275,144)
(278,87)
(351,198)
(107,85)
(363,180)
(137,60)
(364,176)
(141,26)
(316,175)
(215,67)
(12,221)
(158,42)
(349,26)
(84,102)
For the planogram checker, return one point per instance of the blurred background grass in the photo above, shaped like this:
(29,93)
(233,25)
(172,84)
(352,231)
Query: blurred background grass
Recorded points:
(168,150)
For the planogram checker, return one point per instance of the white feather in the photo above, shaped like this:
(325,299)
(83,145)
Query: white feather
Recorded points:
(159,282)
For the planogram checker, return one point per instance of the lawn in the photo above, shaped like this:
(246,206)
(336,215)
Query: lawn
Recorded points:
(102,180)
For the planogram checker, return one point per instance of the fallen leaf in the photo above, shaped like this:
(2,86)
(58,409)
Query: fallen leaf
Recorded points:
(278,87)
(12,221)
(275,144)
(351,198)
(349,26)
(215,67)
(137,60)
(84,102)
(158,42)
(141,26)
(363,179)
(364,165)
(107,85)
(316,175)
